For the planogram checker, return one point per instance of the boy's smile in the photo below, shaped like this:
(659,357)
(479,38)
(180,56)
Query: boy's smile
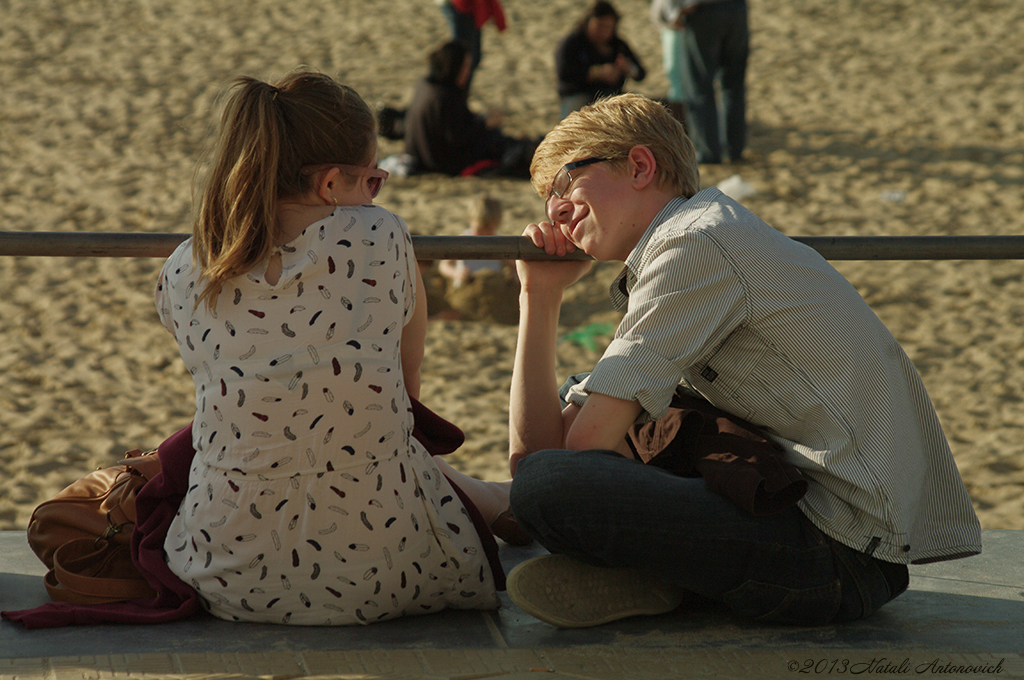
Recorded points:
(595,211)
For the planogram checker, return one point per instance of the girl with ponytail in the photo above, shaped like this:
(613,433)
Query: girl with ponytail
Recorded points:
(299,311)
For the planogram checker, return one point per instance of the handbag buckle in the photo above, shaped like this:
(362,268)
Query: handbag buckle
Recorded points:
(111,529)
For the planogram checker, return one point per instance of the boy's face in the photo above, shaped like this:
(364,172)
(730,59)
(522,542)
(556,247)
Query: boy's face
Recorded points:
(596,212)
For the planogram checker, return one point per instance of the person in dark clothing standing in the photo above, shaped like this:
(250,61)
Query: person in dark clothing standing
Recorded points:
(466,19)
(707,41)
(443,135)
(593,61)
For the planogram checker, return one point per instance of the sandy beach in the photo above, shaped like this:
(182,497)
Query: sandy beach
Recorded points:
(882,118)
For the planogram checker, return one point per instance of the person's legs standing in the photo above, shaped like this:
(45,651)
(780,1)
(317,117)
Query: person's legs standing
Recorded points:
(672,62)
(700,63)
(463,29)
(735,54)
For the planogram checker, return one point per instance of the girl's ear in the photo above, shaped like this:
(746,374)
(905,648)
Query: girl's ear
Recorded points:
(327,184)
(643,167)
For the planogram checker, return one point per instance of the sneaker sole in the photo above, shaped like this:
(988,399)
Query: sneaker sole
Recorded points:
(564,592)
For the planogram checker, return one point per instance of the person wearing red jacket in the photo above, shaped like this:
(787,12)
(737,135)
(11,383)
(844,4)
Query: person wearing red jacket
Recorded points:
(466,19)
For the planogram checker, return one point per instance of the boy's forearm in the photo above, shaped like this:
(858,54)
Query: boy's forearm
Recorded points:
(535,414)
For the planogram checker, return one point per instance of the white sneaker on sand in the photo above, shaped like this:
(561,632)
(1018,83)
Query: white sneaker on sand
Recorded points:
(567,593)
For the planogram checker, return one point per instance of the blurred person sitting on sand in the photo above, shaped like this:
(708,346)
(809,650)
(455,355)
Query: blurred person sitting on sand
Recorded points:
(480,290)
(729,321)
(484,220)
(298,310)
(443,135)
(593,61)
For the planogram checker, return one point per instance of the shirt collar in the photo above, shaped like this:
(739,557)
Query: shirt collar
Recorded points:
(626,279)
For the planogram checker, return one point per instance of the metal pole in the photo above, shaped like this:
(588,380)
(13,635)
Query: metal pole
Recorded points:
(113,244)
(917,247)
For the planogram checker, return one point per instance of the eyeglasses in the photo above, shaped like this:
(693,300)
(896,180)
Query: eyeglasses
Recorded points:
(560,184)
(376,180)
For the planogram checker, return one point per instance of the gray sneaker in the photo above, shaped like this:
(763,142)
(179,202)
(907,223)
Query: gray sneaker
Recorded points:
(567,593)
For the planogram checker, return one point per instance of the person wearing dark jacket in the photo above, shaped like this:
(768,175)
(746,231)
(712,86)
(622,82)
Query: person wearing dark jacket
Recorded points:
(443,135)
(593,61)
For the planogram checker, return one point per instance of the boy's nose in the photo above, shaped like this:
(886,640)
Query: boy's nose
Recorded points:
(558,210)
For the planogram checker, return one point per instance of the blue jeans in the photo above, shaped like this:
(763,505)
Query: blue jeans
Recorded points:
(612,511)
(715,45)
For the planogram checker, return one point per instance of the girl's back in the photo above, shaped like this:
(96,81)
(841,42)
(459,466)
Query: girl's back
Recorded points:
(309,501)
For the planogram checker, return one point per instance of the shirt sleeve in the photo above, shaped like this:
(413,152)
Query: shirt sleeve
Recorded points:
(163,296)
(687,299)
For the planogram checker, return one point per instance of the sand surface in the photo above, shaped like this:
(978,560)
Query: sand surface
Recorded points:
(881,118)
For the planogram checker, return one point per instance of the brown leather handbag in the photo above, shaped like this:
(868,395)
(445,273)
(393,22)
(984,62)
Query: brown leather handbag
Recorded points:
(83,534)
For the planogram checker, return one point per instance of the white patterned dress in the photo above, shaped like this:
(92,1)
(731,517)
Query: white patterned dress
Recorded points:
(309,501)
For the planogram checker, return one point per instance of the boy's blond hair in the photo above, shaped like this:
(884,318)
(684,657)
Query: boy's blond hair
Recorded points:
(611,127)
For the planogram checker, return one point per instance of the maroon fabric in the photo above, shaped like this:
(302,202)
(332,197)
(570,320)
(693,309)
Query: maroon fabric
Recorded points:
(440,437)
(155,507)
(157,504)
(696,439)
(437,435)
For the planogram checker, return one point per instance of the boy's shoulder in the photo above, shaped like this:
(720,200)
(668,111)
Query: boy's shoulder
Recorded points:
(715,215)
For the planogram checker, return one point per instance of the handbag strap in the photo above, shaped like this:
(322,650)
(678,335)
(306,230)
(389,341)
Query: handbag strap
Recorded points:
(77,574)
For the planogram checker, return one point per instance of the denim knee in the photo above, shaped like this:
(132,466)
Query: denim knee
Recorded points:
(553,504)
(540,481)
(534,481)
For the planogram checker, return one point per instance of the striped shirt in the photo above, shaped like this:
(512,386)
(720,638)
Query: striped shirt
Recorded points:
(763,327)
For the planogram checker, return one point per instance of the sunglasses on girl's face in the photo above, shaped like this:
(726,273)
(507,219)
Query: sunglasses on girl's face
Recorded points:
(376,176)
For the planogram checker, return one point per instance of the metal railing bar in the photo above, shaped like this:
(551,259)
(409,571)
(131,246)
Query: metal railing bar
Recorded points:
(141,244)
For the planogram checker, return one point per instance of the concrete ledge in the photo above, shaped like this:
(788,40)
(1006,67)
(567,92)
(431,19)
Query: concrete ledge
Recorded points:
(964,617)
